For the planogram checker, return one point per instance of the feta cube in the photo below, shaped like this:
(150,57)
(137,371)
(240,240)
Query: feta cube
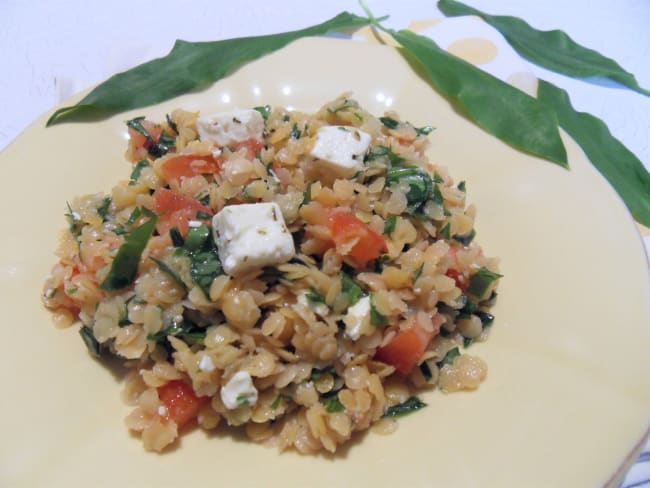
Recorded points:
(226,128)
(341,149)
(251,235)
(357,320)
(239,391)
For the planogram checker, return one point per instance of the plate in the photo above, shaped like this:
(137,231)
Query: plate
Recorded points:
(567,398)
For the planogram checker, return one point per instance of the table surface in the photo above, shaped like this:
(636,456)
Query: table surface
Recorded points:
(52,50)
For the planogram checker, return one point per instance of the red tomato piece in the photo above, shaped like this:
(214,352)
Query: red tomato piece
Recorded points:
(345,227)
(458,277)
(405,350)
(181,402)
(187,165)
(252,147)
(175,210)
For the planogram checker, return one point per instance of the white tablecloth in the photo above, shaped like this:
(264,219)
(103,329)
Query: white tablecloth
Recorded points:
(53,49)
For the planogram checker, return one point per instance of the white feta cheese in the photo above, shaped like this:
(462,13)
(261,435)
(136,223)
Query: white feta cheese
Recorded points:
(251,235)
(341,148)
(239,391)
(206,364)
(357,320)
(226,128)
(162,410)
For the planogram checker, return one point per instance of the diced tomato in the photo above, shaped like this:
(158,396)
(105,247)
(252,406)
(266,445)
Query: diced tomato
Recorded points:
(458,277)
(175,210)
(181,165)
(345,227)
(252,147)
(406,348)
(138,141)
(181,402)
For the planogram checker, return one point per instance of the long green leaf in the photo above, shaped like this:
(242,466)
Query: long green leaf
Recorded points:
(125,265)
(554,49)
(188,66)
(500,109)
(615,162)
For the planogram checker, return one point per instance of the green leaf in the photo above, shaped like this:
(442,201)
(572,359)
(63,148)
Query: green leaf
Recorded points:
(418,272)
(205,266)
(196,238)
(376,317)
(516,118)
(317,373)
(264,110)
(426,371)
(389,225)
(164,267)
(184,330)
(389,122)
(419,183)
(481,280)
(449,357)
(381,152)
(409,406)
(137,170)
(125,265)
(553,50)
(189,66)
(615,162)
(102,210)
(333,404)
(350,289)
(314,296)
(89,339)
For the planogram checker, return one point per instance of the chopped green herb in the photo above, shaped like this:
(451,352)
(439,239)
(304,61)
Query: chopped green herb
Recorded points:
(155,148)
(307,195)
(426,371)
(278,399)
(346,105)
(203,215)
(317,373)
(485,317)
(424,131)
(134,216)
(389,122)
(461,186)
(119,230)
(381,152)
(418,272)
(389,225)
(437,195)
(409,406)
(467,341)
(449,357)
(102,210)
(137,171)
(437,178)
(184,330)
(468,307)
(295,131)
(172,125)
(205,266)
(74,221)
(196,237)
(466,239)
(264,110)
(125,265)
(376,317)
(444,232)
(480,281)
(418,181)
(170,272)
(89,339)
(72,291)
(314,296)
(205,199)
(243,400)
(333,404)
(176,237)
(350,289)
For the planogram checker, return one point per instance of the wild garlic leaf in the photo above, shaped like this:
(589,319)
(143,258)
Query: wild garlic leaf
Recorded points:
(188,66)
(516,118)
(554,50)
(615,162)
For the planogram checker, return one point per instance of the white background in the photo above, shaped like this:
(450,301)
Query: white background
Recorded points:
(51,49)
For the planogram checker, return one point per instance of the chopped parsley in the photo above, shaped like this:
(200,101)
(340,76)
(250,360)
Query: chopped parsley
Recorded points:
(419,184)
(480,281)
(91,342)
(164,267)
(137,171)
(389,122)
(418,272)
(449,357)
(376,317)
(409,406)
(350,289)
(265,111)
(389,225)
(155,148)
(102,210)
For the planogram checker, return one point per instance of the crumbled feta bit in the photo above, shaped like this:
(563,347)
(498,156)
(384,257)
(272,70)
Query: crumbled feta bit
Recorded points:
(225,128)
(194,223)
(341,149)
(239,391)
(357,320)
(206,364)
(251,235)
(162,410)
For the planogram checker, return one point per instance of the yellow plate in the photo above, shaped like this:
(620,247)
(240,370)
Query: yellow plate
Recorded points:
(567,398)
